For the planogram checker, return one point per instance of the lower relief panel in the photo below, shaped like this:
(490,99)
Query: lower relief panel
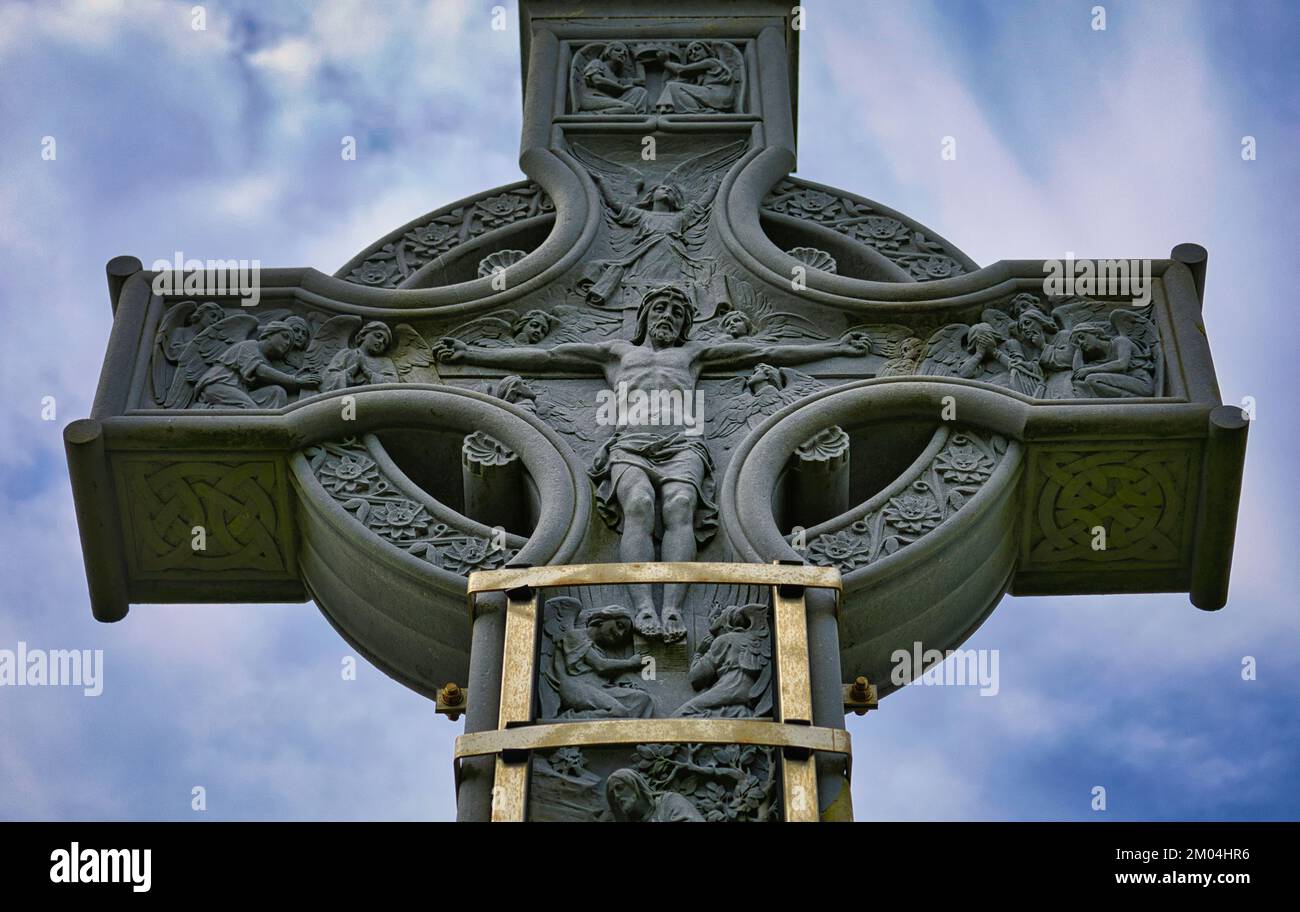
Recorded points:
(656,783)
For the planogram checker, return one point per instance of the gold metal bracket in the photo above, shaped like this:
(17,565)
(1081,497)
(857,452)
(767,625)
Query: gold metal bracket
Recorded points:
(860,696)
(452,700)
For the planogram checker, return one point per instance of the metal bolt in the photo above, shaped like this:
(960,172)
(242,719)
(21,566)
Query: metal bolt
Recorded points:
(451,694)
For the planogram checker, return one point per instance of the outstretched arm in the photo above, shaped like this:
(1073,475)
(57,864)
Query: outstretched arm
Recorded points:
(570,355)
(268,374)
(747,354)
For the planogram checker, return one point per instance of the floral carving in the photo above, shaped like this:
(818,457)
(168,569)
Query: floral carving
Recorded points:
(915,511)
(433,237)
(953,476)
(841,549)
(804,202)
(934,267)
(390,264)
(924,259)
(963,462)
(398,521)
(501,209)
(348,473)
(380,272)
(467,554)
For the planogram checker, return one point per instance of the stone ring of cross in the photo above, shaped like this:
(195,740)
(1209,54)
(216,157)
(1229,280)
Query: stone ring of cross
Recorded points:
(660,349)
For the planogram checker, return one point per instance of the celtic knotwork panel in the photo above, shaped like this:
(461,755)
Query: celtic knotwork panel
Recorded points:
(212,516)
(1109,505)
(357,482)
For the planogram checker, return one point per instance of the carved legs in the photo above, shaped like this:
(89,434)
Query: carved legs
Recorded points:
(678,545)
(636,495)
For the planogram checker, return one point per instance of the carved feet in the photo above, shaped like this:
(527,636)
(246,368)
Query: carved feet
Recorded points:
(671,629)
(646,623)
(674,628)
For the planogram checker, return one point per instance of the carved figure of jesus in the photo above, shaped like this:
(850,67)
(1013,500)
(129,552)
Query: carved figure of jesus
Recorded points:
(656,471)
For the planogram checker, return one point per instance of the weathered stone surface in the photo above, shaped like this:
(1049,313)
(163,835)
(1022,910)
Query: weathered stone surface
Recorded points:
(662,346)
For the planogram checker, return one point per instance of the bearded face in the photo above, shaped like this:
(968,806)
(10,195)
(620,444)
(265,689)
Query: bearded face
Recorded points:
(666,321)
(625,796)
(1031,332)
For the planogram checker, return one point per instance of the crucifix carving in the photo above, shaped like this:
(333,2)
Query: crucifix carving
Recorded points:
(664,356)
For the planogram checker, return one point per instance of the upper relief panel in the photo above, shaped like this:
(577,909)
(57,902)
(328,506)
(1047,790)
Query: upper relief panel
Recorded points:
(659,76)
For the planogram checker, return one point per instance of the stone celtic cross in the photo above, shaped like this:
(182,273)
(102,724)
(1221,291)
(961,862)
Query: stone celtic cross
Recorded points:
(645,463)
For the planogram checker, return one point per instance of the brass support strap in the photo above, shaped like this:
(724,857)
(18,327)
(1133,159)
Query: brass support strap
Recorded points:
(653,731)
(510,787)
(659,572)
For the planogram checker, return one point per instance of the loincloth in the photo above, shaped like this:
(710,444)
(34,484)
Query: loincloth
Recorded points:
(665,457)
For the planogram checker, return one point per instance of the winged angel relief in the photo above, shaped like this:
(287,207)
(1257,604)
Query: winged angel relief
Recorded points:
(592,671)
(1081,349)
(204,359)
(657,230)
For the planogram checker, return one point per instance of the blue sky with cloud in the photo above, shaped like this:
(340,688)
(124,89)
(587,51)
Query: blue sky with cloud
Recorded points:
(225,143)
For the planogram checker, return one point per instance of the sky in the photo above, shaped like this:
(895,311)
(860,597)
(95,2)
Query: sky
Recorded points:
(224,143)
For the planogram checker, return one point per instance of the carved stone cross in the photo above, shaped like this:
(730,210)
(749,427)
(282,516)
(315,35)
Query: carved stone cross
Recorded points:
(665,356)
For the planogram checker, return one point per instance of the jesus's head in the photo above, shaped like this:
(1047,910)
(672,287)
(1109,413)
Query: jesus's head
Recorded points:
(665,317)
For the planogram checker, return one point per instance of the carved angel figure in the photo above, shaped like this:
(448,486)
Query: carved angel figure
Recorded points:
(376,354)
(587,661)
(180,325)
(243,375)
(746,314)
(564,323)
(732,666)
(981,352)
(906,359)
(767,389)
(701,85)
(221,366)
(610,83)
(657,234)
(1115,359)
